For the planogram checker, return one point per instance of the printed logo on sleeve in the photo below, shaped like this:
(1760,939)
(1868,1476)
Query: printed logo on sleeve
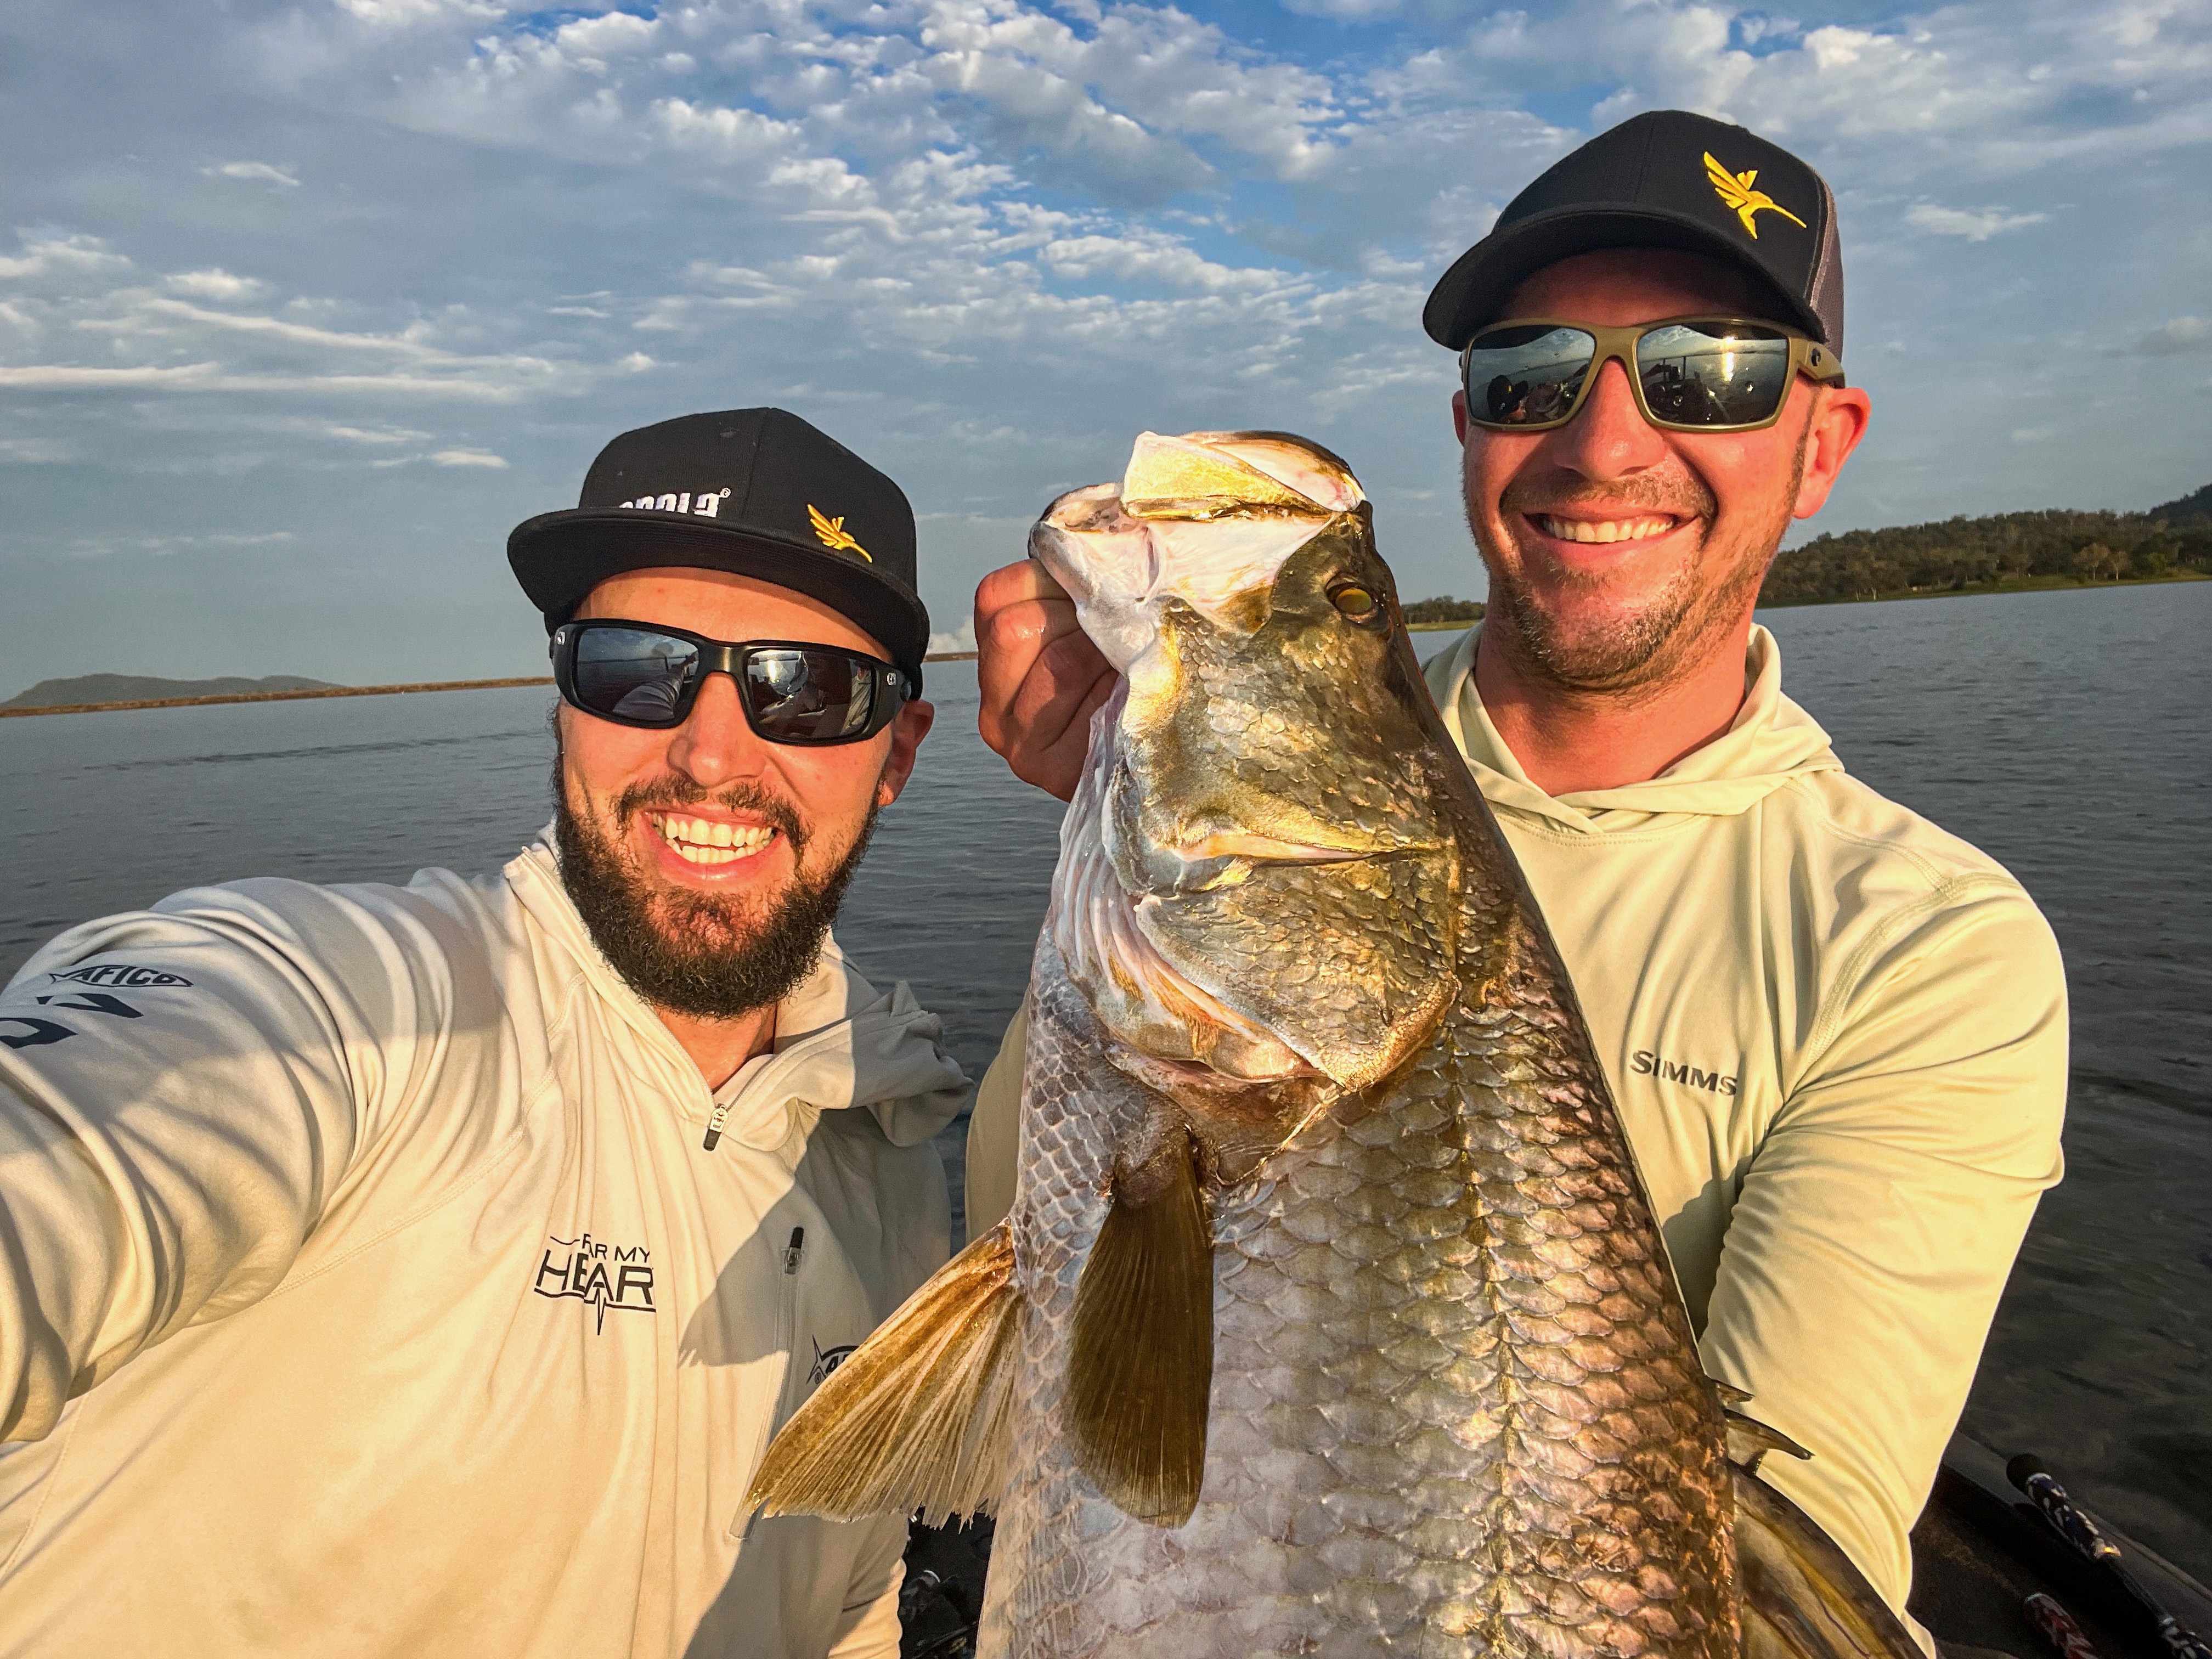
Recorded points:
(826,1361)
(616,1277)
(36,1032)
(1646,1062)
(118,973)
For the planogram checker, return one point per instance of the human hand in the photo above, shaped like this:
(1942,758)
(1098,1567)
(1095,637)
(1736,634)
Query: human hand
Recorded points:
(1040,675)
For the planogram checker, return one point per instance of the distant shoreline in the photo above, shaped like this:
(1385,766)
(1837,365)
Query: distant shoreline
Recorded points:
(2031,585)
(325,691)
(1991,590)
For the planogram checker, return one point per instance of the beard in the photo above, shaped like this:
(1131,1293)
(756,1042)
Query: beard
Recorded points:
(705,954)
(1645,649)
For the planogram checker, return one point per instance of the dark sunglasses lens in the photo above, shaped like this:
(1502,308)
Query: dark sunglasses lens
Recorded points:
(809,697)
(1528,376)
(634,673)
(1713,374)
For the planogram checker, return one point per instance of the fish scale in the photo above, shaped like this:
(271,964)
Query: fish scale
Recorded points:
(1456,1409)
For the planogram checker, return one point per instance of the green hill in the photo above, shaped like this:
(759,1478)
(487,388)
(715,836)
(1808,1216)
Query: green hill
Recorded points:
(2198,506)
(144,687)
(2053,548)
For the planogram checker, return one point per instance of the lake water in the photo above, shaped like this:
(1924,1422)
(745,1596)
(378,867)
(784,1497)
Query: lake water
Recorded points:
(2069,734)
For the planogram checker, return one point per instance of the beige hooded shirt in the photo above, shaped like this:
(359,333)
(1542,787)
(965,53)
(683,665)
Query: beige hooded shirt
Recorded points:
(366,1287)
(1837,1039)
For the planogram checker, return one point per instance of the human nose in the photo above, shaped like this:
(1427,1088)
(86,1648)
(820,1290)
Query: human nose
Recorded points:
(716,744)
(1608,438)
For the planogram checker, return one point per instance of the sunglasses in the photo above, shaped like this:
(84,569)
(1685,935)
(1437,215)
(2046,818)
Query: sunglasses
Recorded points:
(1689,374)
(645,675)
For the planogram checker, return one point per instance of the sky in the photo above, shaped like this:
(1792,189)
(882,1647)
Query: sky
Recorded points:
(303,306)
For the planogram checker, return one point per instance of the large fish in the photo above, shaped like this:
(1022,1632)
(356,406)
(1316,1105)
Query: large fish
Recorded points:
(1332,1317)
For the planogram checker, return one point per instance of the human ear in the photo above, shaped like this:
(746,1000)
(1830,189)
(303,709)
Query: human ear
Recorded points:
(1838,421)
(907,730)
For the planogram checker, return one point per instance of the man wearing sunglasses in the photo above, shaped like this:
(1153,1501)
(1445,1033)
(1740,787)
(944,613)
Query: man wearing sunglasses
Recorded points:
(423,1270)
(1837,1035)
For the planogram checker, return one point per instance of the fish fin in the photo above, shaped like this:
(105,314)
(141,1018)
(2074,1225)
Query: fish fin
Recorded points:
(917,1418)
(1802,1597)
(1141,1364)
(1731,1394)
(1749,1440)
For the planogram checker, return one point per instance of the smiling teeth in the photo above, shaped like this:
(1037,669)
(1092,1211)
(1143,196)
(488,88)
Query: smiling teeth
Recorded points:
(1603,530)
(701,841)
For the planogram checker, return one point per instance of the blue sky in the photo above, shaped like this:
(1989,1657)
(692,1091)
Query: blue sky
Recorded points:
(303,306)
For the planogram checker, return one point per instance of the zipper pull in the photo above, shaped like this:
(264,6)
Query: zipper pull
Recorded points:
(791,1250)
(715,1120)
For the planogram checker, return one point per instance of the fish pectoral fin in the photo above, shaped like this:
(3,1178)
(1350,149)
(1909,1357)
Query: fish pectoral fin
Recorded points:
(1749,1439)
(1801,1596)
(1140,1361)
(917,1418)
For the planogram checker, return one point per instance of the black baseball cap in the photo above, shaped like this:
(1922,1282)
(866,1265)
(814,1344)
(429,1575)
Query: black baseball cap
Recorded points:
(1666,178)
(755,491)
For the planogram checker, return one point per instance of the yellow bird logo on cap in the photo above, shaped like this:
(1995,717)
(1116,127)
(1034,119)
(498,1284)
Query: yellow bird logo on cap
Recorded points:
(832,531)
(1734,189)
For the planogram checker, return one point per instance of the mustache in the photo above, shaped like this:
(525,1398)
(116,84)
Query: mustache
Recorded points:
(1685,495)
(674,793)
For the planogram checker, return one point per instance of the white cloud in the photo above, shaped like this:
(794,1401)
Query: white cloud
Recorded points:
(58,254)
(2181,334)
(963,639)
(1977,225)
(468,457)
(34,452)
(215,284)
(637,362)
(262,171)
(1151,256)
(99,547)
(212,377)
(63,377)
(236,351)
(2033,435)
(1347,11)
(407,14)
(378,435)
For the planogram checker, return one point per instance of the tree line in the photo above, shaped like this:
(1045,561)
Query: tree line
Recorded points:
(2003,550)
(1445,609)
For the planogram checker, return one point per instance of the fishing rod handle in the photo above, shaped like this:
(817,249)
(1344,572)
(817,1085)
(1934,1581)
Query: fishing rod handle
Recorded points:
(2044,1491)
(2057,1625)
(2181,1642)
(2026,1472)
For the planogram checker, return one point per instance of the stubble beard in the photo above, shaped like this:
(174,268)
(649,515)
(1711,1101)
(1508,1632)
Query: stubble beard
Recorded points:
(708,956)
(1638,655)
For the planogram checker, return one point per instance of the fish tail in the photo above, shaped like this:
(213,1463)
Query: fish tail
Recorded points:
(917,1418)
(1802,1597)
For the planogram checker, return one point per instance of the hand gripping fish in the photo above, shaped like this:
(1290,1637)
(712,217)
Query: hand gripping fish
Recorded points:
(1332,1317)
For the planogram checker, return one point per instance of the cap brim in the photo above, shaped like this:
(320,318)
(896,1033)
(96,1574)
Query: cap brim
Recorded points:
(1482,279)
(559,557)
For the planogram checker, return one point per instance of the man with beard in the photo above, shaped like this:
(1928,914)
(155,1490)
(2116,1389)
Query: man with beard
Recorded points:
(1837,1036)
(423,1270)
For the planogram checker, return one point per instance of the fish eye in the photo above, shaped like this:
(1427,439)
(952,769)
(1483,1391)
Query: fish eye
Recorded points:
(1357,603)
